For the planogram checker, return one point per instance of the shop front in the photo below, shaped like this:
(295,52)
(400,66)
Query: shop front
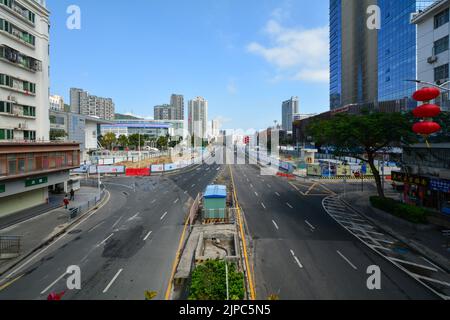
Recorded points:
(425,191)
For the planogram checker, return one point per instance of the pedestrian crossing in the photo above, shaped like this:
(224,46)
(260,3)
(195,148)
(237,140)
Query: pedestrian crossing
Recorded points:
(406,259)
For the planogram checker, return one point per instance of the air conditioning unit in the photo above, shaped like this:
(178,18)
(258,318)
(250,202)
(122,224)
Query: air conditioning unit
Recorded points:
(432,59)
(12,99)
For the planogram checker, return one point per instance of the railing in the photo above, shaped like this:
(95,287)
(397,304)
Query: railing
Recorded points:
(10,246)
(75,212)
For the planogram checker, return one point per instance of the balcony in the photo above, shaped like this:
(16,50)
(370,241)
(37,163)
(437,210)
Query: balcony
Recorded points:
(19,59)
(10,30)
(20,11)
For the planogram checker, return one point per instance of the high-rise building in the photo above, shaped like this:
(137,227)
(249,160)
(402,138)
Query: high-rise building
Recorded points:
(289,109)
(164,112)
(24,70)
(82,102)
(433,47)
(177,103)
(198,117)
(370,66)
(56,103)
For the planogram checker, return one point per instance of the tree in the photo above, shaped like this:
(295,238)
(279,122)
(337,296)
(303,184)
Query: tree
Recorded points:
(162,143)
(123,141)
(134,139)
(108,140)
(209,282)
(364,136)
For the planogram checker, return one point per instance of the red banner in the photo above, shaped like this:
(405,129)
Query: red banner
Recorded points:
(133,172)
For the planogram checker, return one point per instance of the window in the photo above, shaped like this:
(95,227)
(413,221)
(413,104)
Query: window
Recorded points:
(29,111)
(441,18)
(441,45)
(6,134)
(5,80)
(5,107)
(29,135)
(441,73)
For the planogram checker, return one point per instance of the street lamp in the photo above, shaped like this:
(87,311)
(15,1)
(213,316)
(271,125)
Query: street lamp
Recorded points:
(440,86)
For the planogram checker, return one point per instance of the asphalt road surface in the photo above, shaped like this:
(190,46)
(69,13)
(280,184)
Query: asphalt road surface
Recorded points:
(300,252)
(125,248)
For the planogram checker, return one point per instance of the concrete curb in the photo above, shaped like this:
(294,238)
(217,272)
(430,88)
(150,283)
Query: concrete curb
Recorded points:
(434,257)
(52,237)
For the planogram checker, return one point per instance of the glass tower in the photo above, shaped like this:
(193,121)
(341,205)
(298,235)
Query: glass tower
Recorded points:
(392,50)
(335,54)
(397,49)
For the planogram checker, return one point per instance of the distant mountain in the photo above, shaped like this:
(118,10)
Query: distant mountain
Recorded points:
(120,116)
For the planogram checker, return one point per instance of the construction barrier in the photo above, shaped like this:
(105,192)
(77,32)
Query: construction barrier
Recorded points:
(133,172)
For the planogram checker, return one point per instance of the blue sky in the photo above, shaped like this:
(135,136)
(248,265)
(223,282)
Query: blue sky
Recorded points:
(244,57)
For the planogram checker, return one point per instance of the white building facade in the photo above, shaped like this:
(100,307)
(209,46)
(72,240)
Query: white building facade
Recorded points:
(433,50)
(198,117)
(82,102)
(24,70)
(289,109)
(56,103)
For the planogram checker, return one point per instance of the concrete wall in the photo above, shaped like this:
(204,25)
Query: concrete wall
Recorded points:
(19,202)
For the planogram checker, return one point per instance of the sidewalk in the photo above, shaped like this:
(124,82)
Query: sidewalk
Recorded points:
(428,240)
(41,228)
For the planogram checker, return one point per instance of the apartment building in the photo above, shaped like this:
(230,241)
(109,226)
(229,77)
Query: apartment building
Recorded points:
(24,70)
(198,117)
(433,48)
(82,102)
(56,103)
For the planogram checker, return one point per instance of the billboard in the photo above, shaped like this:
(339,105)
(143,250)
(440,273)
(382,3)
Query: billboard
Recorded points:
(110,169)
(170,167)
(157,168)
(344,170)
(314,170)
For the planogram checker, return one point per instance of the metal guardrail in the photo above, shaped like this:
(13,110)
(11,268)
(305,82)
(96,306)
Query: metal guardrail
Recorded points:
(10,246)
(75,212)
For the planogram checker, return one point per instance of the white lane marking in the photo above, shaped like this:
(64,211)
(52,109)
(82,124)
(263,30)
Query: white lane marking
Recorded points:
(112,281)
(148,235)
(275,224)
(117,222)
(347,260)
(277,194)
(53,283)
(413,264)
(296,259)
(185,192)
(104,241)
(256,193)
(310,225)
(295,187)
(176,201)
(433,280)
(154,201)
(263,205)
(193,185)
(251,185)
(163,216)
(289,205)
(98,225)
(269,185)
(135,216)
(437,267)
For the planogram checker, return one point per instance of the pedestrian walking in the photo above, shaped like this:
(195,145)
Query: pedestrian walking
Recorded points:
(72,195)
(66,201)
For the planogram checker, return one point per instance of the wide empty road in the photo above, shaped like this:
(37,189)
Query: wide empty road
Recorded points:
(124,249)
(300,252)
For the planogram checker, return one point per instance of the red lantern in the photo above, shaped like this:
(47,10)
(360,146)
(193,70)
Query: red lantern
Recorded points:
(427,111)
(426,94)
(426,128)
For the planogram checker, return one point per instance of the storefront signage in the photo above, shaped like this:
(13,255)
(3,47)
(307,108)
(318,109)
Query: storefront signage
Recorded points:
(410,179)
(35,182)
(440,185)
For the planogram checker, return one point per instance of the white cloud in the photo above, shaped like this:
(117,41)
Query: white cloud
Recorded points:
(297,54)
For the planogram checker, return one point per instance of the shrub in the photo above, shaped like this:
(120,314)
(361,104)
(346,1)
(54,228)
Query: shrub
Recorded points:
(209,282)
(405,211)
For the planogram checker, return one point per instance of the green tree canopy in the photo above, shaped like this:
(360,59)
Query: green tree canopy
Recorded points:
(123,141)
(108,140)
(209,282)
(364,136)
